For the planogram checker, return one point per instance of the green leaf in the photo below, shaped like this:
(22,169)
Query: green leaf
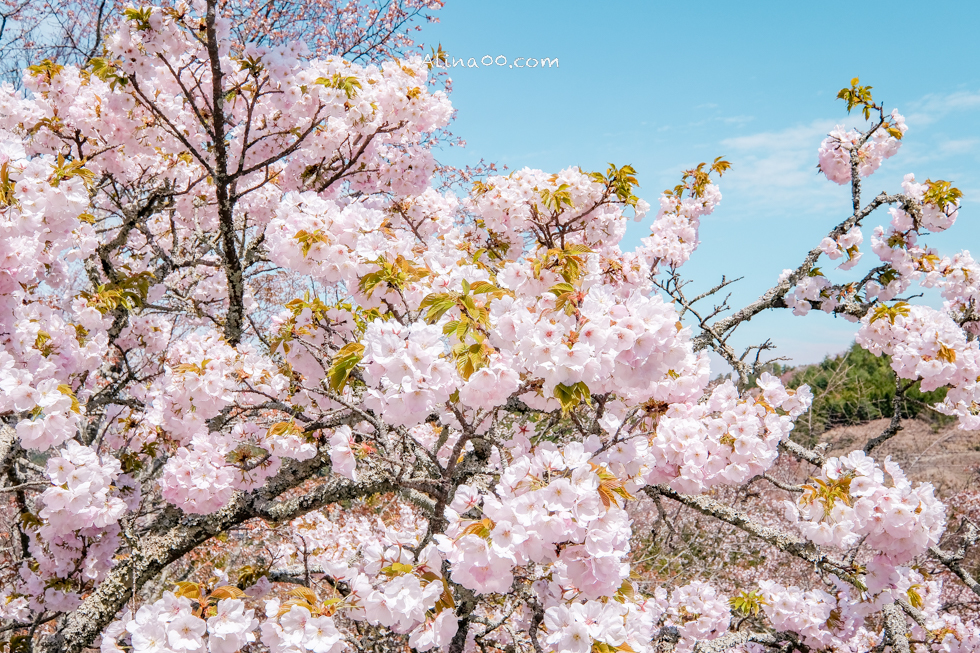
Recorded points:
(67,169)
(747,603)
(397,569)
(557,199)
(483,287)
(571,396)
(67,391)
(140,16)
(565,297)
(396,274)
(128,292)
(108,71)
(622,181)
(858,95)
(438,304)
(349,85)
(892,312)
(344,363)
(941,194)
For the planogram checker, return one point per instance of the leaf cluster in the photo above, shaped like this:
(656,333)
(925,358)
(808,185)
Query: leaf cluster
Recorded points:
(47,69)
(344,362)
(66,169)
(567,261)
(829,492)
(570,396)
(7,185)
(205,602)
(858,96)
(307,239)
(349,85)
(304,597)
(695,180)
(140,16)
(554,200)
(621,181)
(747,603)
(941,194)
(890,312)
(473,322)
(128,292)
(610,487)
(396,274)
(108,71)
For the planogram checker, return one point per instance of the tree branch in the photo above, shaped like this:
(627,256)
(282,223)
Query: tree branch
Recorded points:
(787,542)
(175,536)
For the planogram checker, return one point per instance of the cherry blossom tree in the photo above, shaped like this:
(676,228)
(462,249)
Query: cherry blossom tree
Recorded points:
(74,31)
(264,387)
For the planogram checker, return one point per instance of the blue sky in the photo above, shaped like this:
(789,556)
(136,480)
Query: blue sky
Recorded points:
(662,86)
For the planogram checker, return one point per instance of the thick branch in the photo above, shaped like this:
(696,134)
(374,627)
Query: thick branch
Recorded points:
(953,560)
(732,640)
(802,453)
(896,629)
(787,542)
(172,540)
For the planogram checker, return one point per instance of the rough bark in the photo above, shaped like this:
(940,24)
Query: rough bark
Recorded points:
(787,542)
(170,542)
(896,629)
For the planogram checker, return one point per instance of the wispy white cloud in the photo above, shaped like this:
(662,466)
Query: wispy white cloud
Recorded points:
(934,106)
(941,149)
(958,146)
(727,120)
(773,170)
(737,120)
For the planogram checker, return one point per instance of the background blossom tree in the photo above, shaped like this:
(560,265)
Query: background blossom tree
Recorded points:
(265,387)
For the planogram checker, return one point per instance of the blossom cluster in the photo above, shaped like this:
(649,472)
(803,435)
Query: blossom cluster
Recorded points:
(699,612)
(814,614)
(927,344)
(851,500)
(835,150)
(204,377)
(39,218)
(82,492)
(627,345)
(674,233)
(813,288)
(172,624)
(545,497)
(528,325)
(298,629)
(727,439)
(575,627)
(78,530)
(389,586)
(43,196)
(509,206)
(836,620)
(846,244)
(406,370)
